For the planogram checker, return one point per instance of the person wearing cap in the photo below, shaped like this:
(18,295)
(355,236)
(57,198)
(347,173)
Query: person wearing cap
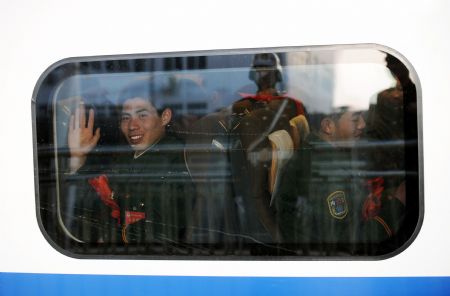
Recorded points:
(266,72)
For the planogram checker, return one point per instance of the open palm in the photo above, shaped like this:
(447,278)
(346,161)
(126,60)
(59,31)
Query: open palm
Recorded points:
(81,137)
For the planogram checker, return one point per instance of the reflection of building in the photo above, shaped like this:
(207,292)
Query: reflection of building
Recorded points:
(184,94)
(311,78)
(198,92)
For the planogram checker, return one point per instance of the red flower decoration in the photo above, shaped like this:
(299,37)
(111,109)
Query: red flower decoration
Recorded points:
(133,217)
(269,97)
(101,186)
(372,205)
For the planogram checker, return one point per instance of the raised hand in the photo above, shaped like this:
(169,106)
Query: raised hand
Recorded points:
(81,137)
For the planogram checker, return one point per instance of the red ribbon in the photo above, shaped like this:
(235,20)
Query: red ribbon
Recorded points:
(268,98)
(372,204)
(101,186)
(133,217)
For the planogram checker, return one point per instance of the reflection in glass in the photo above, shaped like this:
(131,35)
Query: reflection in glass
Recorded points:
(296,153)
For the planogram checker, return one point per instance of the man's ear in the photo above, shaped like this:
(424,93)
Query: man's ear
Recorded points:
(327,126)
(166,116)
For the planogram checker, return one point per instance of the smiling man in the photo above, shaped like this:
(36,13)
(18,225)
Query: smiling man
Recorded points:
(142,125)
(147,192)
(342,128)
(320,194)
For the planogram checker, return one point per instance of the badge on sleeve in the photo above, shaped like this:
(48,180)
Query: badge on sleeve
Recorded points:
(337,205)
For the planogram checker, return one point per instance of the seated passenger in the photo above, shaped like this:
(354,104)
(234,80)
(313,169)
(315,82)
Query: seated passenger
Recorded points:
(319,196)
(147,191)
(325,204)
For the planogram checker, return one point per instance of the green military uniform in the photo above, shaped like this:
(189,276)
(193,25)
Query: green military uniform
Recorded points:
(319,198)
(154,194)
(157,184)
(322,199)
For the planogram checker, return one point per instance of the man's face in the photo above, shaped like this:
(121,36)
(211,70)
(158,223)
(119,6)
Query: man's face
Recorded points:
(140,123)
(265,78)
(349,127)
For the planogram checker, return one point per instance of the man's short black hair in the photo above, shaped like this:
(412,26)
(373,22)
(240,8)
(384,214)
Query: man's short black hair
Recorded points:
(142,88)
(315,120)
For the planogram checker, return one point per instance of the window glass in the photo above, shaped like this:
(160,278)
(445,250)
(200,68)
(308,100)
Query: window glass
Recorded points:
(287,153)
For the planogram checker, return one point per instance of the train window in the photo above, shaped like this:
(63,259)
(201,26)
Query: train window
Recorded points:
(290,153)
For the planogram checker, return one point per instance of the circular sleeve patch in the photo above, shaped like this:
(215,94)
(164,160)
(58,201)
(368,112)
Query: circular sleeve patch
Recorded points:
(337,204)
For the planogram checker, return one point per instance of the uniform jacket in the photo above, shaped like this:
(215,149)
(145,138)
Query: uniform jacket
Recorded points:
(319,199)
(153,200)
